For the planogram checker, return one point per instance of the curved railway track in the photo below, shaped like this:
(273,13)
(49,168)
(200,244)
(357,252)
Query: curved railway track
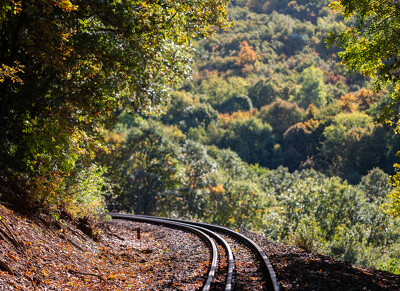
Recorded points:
(227,239)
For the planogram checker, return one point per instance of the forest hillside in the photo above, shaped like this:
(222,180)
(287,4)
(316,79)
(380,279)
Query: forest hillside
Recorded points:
(273,134)
(234,113)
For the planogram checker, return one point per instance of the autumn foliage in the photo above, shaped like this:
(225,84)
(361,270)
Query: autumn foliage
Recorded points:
(66,67)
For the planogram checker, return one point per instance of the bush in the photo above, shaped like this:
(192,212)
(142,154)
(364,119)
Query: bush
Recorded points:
(306,235)
(235,103)
(79,195)
(281,115)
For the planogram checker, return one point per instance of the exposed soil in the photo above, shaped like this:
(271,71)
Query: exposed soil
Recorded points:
(42,254)
(297,269)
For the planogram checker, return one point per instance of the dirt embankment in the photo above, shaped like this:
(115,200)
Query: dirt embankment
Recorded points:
(40,253)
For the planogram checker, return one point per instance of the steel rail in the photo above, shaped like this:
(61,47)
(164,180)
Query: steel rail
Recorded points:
(272,282)
(228,250)
(175,224)
(226,246)
(222,241)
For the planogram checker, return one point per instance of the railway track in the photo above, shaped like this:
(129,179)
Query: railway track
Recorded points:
(242,265)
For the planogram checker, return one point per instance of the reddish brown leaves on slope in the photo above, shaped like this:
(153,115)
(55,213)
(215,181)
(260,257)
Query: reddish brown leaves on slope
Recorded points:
(39,254)
(57,256)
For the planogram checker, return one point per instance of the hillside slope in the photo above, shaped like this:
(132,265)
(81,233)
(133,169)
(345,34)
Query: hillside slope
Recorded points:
(39,253)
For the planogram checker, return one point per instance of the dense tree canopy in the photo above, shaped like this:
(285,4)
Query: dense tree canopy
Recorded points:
(310,114)
(266,93)
(67,66)
(372,47)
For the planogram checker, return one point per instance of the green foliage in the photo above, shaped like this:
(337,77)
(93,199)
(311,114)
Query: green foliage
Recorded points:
(252,139)
(79,194)
(281,115)
(263,93)
(307,234)
(197,115)
(216,89)
(67,68)
(144,168)
(174,111)
(207,156)
(307,208)
(370,47)
(296,139)
(351,143)
(391,266)
(369,42)
(229,162)
(236,103)
(278,59)
(342,125)
(197,134)
(376,185)
(312,90)
(326,215)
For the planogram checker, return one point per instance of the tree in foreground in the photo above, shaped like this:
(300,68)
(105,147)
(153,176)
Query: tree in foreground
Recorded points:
(67,66)
(372,47)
